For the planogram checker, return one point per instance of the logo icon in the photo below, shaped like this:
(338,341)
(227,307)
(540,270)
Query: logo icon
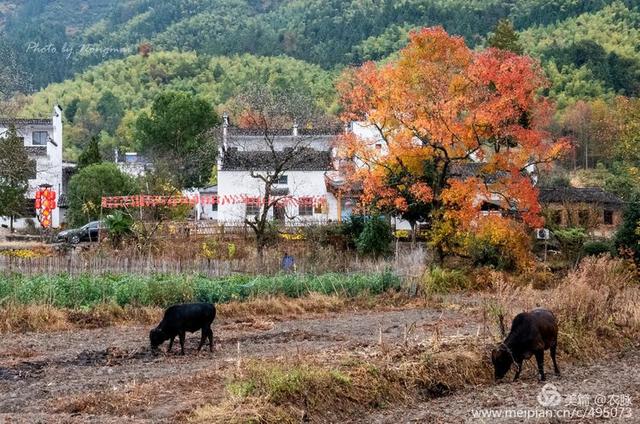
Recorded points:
(549,396)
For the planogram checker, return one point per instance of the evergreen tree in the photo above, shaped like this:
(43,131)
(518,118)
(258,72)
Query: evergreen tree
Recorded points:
(15,169)
(628,235)
(90,154)
(175,133)
(87,187)
(505,37)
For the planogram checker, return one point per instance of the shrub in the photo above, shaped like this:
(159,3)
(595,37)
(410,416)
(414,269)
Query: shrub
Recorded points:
(440,280)
(119,226)
(597,247)
(571,242)
(352,228)
(628,235)
(375,238)
(499,243)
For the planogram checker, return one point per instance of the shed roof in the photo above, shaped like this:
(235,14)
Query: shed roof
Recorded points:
(18,122)
(578,195)
(304,160)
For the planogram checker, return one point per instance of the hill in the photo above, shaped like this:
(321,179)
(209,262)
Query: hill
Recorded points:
(329,33)
(591,55)
(107,98)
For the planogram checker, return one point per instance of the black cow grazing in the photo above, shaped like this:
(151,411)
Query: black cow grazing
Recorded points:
(179,319)
(531,334)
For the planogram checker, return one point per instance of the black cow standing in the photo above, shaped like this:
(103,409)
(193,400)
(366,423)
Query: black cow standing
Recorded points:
(178,319)
(531,334)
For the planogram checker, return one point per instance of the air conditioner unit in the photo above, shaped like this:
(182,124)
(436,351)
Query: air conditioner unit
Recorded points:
(542,233)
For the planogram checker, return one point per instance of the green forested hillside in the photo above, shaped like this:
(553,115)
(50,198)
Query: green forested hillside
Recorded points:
(592,55)
(106,99)
(588,48)
(328,33)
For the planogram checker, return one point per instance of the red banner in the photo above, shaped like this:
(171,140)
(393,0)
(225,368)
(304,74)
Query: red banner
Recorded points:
(144,200)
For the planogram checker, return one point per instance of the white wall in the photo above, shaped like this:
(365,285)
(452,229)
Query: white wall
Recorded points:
(48,167)
(300,184)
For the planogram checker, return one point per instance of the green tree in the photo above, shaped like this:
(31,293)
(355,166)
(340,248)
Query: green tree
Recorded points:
(15,170)
(505,37)
(375,238)
(88,186)
(175,132)
(90,155)
(628,235)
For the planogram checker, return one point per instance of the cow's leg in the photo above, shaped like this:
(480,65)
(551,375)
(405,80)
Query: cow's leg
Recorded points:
(518,369)
(203,337)
(181,335)
(553,358)
(210,335)
(170,344)
(540,360)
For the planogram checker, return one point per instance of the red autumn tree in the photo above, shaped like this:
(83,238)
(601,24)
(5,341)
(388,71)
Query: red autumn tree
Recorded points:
(452,127)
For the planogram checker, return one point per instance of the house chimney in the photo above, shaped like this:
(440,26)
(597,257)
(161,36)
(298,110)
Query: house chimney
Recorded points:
(225,129)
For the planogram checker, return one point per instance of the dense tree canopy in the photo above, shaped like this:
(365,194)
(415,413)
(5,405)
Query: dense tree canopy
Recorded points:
(131,85)
(88,186)
(439,109)
(324,32)
(174,132)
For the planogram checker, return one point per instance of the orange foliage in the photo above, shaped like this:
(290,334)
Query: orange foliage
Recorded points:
(443,105)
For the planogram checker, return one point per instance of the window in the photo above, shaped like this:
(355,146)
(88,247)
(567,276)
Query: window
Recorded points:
(252,207)
(318,208)
(608,217)
(40,138)
(283,179)
(305,206)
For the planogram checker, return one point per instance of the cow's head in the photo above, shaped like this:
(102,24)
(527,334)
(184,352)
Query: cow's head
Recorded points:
(502,360)
(157,337)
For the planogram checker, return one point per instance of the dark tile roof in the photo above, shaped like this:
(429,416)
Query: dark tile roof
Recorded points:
(330,131)
(578,195)
(24,121)
(474,169)
(304,160)
(36,150)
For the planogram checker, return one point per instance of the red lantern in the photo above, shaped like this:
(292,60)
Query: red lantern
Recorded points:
(45,203)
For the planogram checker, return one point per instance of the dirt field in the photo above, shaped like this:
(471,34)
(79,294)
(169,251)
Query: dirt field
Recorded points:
(54,377)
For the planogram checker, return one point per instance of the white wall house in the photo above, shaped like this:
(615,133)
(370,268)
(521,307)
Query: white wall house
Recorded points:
(43,141)
(303,187)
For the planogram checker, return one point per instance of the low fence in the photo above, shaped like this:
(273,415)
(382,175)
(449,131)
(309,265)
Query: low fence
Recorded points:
(195,229)
(406,264)
(81,264)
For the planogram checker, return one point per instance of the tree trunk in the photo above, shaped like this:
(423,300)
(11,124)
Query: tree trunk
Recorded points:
(11,224)
(413,234)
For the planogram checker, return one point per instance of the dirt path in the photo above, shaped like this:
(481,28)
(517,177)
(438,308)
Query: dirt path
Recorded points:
(611,378)
(38,372)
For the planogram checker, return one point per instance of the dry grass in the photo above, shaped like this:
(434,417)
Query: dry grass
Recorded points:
(335,388)
(25,318)
(596,306)
(20,318)
(134,398)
